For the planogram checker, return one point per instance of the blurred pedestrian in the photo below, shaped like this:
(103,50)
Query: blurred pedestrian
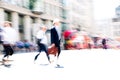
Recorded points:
(56,36)
(42,42)
(9,38)
(27,45)
(104,43)
(1,35)
(19,45)
(1,39)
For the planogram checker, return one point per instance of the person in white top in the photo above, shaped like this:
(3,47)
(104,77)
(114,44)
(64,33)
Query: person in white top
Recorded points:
(42,42)
(9,38)
(1,39)
(1,35)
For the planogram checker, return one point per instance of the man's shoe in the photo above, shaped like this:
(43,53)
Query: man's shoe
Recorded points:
(4,59)
(59,66)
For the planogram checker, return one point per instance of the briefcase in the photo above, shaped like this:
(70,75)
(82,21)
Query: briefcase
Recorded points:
(53,50)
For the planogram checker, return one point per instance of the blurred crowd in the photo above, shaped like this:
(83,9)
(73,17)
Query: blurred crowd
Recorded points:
(25,46)
(75,40)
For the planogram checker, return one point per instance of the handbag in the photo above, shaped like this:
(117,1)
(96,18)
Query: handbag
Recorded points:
(52,50)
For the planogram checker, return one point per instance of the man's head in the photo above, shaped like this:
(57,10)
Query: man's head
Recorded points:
(56,22)
(44,28)
(7,24)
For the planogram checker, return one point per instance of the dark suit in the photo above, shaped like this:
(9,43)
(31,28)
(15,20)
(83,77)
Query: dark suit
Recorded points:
(55,39)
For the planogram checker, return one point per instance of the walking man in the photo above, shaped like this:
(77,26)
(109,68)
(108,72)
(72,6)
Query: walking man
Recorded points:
(56,36)
(9,38)
(42,42)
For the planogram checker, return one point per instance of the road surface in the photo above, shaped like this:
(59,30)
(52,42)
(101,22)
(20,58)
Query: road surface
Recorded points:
(95,64)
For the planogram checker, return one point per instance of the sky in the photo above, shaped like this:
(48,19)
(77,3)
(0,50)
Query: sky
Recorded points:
(105,8)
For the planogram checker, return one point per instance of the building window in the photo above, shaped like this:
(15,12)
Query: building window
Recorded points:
(43,21)
(31,30)
(52,10)
(47,8)
(26,4)
(57,11)
(117,33)
(64,15)
(8,16)
(60,12)
(21,27)
(33,19)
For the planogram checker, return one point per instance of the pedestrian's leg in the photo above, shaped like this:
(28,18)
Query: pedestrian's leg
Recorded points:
(39,47)
(45,49)
(6,52)
(59,51)
(36,56)
(105,46)
(10,50)
(5,55)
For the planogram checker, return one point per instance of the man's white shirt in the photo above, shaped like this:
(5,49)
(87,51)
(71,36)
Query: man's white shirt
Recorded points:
(10,35)
(41,35)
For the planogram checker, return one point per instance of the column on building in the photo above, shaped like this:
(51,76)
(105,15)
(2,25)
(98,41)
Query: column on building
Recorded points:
(48,23)
(38,21)
(37,25)
(35,28)
(2,16)
(15,22)
(27,28)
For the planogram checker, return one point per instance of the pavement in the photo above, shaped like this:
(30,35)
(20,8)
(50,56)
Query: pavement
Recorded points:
(94,64)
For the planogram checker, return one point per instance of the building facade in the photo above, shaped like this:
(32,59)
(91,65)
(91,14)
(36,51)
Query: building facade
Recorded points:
(109,28)
(28,15)
(104,28)
(80,14)
(117,11)
(116,27)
